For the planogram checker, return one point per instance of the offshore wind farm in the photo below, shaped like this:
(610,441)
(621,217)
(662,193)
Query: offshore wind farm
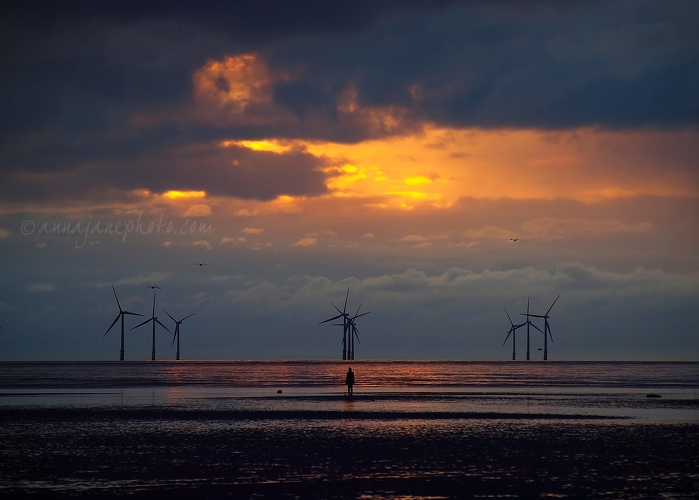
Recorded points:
(350,332)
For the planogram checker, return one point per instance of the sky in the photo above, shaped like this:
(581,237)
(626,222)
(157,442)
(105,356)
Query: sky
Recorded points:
(444,161)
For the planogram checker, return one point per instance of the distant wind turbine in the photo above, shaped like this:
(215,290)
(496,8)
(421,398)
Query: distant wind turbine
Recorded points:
(345,322)
(349,327)
(513,329)
(177,331)
(547,328)
(529,323)
(121,315)
(153,287)
(353,331)
(155,320)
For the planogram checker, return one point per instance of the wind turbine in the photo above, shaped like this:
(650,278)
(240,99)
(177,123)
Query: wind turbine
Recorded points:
(177,331)
(345,323)
(120,315)
(155,320)
(547,328)
(353,331)
(529,323)
(513,329)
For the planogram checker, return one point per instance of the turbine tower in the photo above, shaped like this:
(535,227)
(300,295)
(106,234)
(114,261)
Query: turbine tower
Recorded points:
(177,331)
(547,328)
(513,329)
(121,315)
(353,331)
(529,323)
(155,320)
(345,323)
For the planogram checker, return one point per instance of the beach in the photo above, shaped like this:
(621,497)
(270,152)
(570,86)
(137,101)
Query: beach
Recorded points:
(174,454)
(206,441)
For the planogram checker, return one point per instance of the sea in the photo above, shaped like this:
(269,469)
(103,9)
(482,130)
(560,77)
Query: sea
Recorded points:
(288,429)
(642,390)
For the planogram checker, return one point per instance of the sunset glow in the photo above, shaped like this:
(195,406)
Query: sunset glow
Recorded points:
(443,160)
(184,194)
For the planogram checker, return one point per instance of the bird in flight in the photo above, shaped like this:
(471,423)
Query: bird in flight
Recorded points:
(514,239)
(153,287)
(200,264)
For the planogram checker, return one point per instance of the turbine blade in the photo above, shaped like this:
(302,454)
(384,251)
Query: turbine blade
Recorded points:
(154,292)
(355,314)
(508,316)
(113,323)
(132,314)
(554,303)
(117,298)
(141,324)
(331,319)
(186,317)
(363,314)
(344,309)
(536,327)
(174,337)
(508,336)
(163,325)
(173,319)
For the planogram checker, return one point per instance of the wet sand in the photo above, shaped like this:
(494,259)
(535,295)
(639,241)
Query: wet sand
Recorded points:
(165,453)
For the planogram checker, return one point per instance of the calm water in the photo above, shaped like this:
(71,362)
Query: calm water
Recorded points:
(585,388)
(371,375)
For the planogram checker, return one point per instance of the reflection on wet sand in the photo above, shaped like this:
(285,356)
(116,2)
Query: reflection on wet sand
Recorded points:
(141,452)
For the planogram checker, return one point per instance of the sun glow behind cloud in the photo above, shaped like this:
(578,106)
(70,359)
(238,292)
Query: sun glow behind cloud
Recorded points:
(441,165)
(174,195)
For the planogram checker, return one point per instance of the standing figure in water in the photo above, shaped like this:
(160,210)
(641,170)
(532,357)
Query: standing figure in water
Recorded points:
(349,380)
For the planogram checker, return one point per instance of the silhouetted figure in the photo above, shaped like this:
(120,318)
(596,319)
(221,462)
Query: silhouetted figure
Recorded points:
(349,380)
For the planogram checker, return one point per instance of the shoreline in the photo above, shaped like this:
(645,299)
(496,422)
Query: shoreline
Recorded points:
(160,413)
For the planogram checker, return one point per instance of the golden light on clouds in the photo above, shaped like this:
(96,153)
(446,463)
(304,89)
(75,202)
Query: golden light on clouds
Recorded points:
(236,80)
(439,165)
(273,146)
(416,181)
(184,194)
(442,165)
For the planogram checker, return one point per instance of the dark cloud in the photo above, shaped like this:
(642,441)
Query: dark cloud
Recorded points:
(232,171)
(247,19)
(106,83)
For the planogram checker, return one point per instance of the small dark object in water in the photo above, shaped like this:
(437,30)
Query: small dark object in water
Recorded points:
(279,391)
(653,395)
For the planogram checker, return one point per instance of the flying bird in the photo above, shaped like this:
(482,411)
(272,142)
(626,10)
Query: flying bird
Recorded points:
(200,264)
(153,287)
(514,239)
